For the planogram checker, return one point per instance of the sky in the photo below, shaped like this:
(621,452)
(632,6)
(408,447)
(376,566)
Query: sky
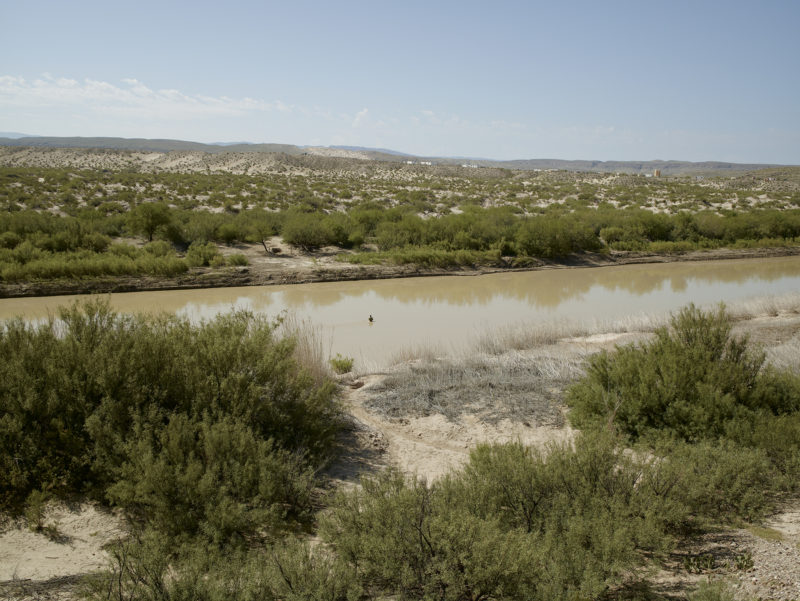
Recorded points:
(613,80)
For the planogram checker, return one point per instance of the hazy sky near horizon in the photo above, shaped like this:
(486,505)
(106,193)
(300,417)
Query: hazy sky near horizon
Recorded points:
(616,80)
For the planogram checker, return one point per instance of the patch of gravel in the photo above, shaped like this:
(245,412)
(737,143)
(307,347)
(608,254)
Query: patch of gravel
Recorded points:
(775,574)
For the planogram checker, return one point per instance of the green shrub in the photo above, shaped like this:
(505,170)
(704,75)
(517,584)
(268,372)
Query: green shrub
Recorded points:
(87,264)
(552,237)
(148,217)
(159,248)
(238,259)
(407,538)
(217,261)
(147,568)
(732,426)
(228,233)
(201,254)
(425,257)
(514,524)
(158,413)
(9,240)
(712,481)
(694,380)
(35,509)
(211,476)
(340,364)
(296,571)
(123,250)
(671,247)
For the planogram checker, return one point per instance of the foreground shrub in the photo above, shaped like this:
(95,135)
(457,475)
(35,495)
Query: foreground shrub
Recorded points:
(148,568)
(408,538)
(211,477)
(694,381)
(716,482)
(514,524)
(157,413)
(726,429)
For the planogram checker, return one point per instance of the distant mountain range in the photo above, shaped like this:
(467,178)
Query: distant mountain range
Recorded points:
(14,135)
(380,154)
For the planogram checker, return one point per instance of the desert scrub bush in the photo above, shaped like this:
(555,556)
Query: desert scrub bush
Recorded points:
(35,509)
(727,428)
(87,264)
(99,402)
(694,380)
(424,256)
(147,567)
(217,261)
(159,248)
(237,260)
(406,538)
(550,237)
(212,477)
(341,364)
(201,254)
(148,217)
(515,523)
(715,481)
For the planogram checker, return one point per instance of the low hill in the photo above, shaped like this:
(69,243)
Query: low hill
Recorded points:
(667,168)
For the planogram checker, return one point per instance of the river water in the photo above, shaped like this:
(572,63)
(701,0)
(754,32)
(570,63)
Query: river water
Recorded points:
(449,312)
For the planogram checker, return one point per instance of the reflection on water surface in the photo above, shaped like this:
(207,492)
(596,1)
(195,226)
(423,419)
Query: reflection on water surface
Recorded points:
(451,310)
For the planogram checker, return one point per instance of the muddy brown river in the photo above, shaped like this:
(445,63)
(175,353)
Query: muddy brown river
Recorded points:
(449,312)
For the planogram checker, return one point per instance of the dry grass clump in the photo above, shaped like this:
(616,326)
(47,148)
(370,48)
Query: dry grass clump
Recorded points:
(524,387)
(785,355)
(519,338)
(312,348)
(772,306)
(417,353)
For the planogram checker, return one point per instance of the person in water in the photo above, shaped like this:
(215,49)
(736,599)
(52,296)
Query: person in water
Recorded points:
(371,319)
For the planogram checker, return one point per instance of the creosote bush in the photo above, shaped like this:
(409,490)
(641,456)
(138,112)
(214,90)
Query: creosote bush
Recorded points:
(514,524)
(725,425)
(694,381)
(210,428)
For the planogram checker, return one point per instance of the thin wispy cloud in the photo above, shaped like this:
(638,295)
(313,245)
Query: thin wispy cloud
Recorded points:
(132,98)
(360,116)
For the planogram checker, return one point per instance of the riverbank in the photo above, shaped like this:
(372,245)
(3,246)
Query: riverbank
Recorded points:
(296,267)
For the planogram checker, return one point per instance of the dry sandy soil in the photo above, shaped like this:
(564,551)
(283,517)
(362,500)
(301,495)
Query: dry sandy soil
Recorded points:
(41,566)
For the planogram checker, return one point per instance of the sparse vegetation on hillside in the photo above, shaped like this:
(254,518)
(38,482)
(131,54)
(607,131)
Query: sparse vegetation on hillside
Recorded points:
(57,223)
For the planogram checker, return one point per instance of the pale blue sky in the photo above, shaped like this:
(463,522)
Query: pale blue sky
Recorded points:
(614,80)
